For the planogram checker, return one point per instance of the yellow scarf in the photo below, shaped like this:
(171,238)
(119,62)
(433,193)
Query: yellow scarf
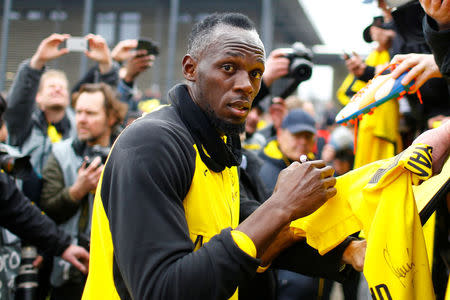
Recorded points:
(53,134)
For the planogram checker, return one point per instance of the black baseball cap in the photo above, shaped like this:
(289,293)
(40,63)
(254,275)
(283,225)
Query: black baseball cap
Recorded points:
(298,120)
(378,22)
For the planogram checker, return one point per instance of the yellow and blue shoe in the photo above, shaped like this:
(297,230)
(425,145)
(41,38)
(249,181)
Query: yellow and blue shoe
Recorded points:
(380,89)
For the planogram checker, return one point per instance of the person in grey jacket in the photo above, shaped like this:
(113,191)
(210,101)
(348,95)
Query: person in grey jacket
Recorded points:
(69,180)
(38,111)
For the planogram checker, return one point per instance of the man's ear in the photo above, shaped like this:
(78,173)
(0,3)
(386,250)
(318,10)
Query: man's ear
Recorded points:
(111,121)
(189,68)
(38,97)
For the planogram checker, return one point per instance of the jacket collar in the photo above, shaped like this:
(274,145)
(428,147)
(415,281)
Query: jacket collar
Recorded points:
(213,151)
(62,126)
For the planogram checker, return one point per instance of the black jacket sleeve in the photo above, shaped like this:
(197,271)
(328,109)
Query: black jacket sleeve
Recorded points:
(439,41)
(304,259)
(145,181)
(55,198)
(21,103)
(21,217)
(94,76)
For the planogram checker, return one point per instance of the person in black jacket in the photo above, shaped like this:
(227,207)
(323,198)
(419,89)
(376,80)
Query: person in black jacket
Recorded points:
(18,215)
(21,217)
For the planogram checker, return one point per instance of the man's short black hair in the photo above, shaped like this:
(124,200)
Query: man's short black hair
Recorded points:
(199,36)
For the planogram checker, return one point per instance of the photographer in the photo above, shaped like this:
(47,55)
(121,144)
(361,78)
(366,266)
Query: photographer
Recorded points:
(18,215)
(72,173)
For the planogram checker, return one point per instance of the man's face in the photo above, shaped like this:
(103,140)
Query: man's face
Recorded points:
(252,120)
(53,94)
(91,118)
(384,37)
(227,75)
(294,145)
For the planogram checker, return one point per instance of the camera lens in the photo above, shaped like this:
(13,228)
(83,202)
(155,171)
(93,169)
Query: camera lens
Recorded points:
(27,279)
(301,69)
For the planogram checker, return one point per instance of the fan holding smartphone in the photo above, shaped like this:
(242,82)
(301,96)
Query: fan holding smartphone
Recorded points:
(147,44)
(138,54)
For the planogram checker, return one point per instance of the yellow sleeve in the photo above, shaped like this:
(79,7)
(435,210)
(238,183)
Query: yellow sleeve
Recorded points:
(244,242)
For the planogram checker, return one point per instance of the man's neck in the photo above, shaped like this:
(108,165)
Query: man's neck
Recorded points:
(54,115)
(103,141)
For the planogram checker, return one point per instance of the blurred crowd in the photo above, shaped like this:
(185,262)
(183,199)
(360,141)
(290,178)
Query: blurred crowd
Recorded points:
(67,129)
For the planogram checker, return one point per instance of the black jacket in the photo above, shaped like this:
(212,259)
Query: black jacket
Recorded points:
(24,219)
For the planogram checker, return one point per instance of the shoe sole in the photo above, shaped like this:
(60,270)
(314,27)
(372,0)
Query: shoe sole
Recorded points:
(397,91)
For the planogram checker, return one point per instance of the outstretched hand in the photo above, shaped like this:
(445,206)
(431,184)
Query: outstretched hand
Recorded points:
(99,52)
(277,65)
(354,254)
(124,50)
(439,11)
(138,64)
(355,65)
(422,67)
(48,50)
(78,257)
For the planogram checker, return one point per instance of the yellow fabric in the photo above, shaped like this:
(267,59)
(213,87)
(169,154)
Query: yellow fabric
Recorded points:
(349,82)
(425,191)
(428,233)
(221,210)
(102,273)
(53,134)
(262,269)
(251,146)
(261,124)
(379,200)
(272,150)
(244,242)
(447,292)
(375,58)
(378,135)
(149,105)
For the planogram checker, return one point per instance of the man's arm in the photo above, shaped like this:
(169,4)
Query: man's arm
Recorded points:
(24,219)
(290,252)
(439,139)
(21,103)
(134,67)
(59,201)
(21,98)
(55,198)
(439,41)
(106,70)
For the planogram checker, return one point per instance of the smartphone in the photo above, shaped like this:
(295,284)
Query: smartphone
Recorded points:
(147,44)
(77,44)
